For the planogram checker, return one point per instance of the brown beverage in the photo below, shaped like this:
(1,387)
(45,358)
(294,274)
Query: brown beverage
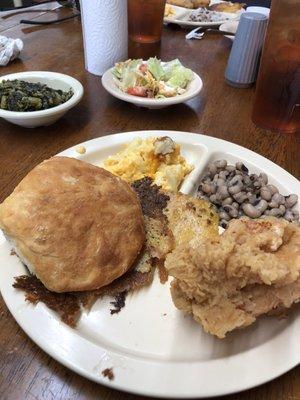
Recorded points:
(144,50)
(145,20)
(277,96)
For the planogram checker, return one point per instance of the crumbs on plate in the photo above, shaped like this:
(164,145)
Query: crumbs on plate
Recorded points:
(108,373)
(80,149)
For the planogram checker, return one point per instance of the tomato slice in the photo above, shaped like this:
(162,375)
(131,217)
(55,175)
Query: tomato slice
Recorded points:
(137,91)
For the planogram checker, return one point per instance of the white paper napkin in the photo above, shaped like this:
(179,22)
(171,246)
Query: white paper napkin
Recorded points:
(9,49)
(104,25)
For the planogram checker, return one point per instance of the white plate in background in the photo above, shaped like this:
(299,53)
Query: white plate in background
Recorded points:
(181,18)
(152,347)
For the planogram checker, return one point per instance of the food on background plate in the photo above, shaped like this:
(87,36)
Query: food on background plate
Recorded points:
(152,78)
(189,3)
(18,95)
(157,158)
(205,15)
(252,269)
(235,192)
(227,7)
(224,6)
(75,226)
(169,11)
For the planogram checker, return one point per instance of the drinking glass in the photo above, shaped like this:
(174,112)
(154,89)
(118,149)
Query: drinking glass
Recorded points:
(277,96)
(145,20)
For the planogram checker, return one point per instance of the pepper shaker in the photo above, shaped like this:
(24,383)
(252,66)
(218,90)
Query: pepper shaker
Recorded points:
(245,54)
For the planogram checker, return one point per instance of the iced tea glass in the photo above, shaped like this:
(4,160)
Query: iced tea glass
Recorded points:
(145,20)
(277,96)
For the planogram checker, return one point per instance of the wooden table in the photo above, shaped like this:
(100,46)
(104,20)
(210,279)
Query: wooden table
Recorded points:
(220,111)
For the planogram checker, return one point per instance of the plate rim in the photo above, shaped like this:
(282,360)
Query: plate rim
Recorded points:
(156,392)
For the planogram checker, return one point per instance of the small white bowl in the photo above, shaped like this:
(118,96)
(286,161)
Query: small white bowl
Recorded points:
(193,89)
(55,80)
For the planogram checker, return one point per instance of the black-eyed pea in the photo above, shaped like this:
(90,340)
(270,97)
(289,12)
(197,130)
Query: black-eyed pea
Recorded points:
(221,163)
(265,193)
(273,189)
(212,168)
(291,200)
(227,201)
(235,189)
(263,177)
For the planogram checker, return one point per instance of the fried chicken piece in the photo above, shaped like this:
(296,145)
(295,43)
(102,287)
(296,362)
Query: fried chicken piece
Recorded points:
(189,3)
(200,3)
(227,6)
(253,268)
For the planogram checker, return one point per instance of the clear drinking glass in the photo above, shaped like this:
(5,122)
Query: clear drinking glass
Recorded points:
(277,96)
(145,20)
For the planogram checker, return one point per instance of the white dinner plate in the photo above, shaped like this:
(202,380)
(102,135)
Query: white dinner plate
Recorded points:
(181,17)
(192,90)
(152,347)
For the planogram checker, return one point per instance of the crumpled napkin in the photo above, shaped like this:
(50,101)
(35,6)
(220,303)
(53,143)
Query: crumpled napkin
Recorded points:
(9,49)
(194,34)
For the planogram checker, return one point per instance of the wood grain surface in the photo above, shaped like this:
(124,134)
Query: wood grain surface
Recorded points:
(26,372)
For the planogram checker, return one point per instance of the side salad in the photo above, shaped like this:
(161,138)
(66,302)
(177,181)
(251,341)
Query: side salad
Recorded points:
(152,78)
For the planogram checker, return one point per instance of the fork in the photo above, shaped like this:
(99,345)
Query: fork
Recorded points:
(195,35)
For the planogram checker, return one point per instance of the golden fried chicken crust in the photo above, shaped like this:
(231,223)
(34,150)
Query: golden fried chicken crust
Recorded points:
(253,268)
(189,3)
(227,6)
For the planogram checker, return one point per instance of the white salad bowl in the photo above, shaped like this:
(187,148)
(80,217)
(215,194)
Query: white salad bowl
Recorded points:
(192,90)
(55,80)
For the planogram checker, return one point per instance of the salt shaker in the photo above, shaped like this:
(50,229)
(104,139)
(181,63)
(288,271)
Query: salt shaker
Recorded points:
(244,58)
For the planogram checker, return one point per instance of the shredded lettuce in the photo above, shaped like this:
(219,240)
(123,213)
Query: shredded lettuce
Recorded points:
(160,96)
(168,68)
(157,79)
(180,77)
(116,73)
(154,66)
(128,79)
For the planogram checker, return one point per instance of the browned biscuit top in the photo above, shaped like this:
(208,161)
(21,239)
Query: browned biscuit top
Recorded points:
(78,226)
